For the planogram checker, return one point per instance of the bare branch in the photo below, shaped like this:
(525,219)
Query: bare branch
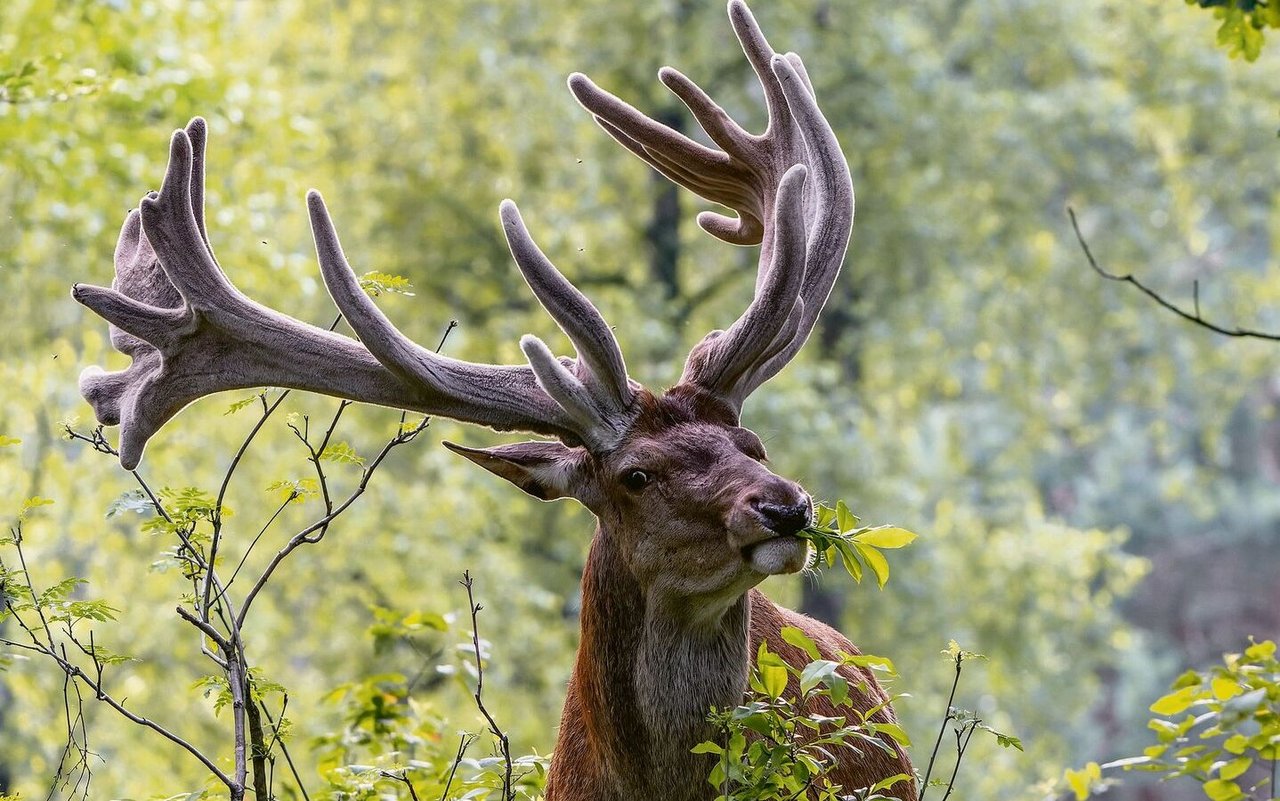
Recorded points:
(508,792)
(1192,316)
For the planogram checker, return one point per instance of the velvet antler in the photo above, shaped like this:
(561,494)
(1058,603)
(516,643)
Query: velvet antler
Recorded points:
(191,333)
(791,191)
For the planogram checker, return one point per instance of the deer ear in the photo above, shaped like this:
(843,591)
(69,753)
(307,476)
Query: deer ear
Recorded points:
(545,470)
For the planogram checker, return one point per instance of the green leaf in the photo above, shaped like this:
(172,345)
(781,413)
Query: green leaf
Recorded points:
(341,453)
(885,784)
(1260,651)
(376,283)
(895,731)
(1234,768)
(815,673)
(1238,35)
(1078,781)
(774,679)
(1224,688)
(6,442)
(1222,790)
(34,502)
(876,561)
(799,639)
(707,747)
(1176,701)
(885,537)
(851,564)
(134,500)
(240,404)
(845,519)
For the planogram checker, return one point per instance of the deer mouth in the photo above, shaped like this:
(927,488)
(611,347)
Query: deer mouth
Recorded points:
(777,554)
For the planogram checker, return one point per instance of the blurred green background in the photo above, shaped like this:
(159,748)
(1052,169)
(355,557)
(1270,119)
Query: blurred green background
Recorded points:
(1094,482)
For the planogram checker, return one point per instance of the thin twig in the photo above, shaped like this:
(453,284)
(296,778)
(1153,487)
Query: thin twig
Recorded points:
(942,729)
(216,539)
(1192,316)
(305,535)
(508,792)
(278,740)
(292,496)
(463,742)
(960,749)
(76,672)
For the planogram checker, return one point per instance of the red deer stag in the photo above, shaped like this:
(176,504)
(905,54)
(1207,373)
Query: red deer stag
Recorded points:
(690,519)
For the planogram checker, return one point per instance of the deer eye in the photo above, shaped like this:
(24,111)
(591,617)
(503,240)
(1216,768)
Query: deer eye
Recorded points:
(636,480)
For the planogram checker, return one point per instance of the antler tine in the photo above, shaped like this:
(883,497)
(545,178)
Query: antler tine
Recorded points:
(770,322)
(463,390)
(751,176)
(832,192)
(171,225)
(601,428)
(579,319)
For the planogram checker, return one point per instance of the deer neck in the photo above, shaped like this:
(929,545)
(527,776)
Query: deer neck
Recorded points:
(649,672)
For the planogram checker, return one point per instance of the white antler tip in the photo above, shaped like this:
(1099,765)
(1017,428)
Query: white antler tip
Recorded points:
(180,144)
(529,342)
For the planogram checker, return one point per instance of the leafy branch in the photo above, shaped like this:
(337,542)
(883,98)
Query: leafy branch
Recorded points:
(838,534)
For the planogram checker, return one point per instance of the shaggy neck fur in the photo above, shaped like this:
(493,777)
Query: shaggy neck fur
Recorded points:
(648,678)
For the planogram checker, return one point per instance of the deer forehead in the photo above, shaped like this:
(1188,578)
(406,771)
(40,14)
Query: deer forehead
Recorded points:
(696,446)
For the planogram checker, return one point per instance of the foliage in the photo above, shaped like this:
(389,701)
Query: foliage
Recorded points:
(837,533)
(774,747)
(1219,727)
(392,737)
(1243,23)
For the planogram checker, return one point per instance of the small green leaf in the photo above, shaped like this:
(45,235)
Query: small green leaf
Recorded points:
(341,453)
(1222,790)
(134,500)
(708,748)
(1078,781)
(6,442)
(876,561)
(31,503)
(1224,688)
(816,672)
(1176,701)
(885,537)
(895,731)
(774,679)
(885,784)
(845,519)
(240,404)
(1234,768)
(799,639)
(376,283)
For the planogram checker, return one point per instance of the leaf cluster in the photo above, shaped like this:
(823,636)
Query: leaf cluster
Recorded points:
(1219,727)
(839,536)
(775,746)
(1243,23)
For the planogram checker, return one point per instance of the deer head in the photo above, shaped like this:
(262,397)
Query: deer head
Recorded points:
(685,486)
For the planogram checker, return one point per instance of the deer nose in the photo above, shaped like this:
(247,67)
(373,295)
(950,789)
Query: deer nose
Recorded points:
(783,518)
